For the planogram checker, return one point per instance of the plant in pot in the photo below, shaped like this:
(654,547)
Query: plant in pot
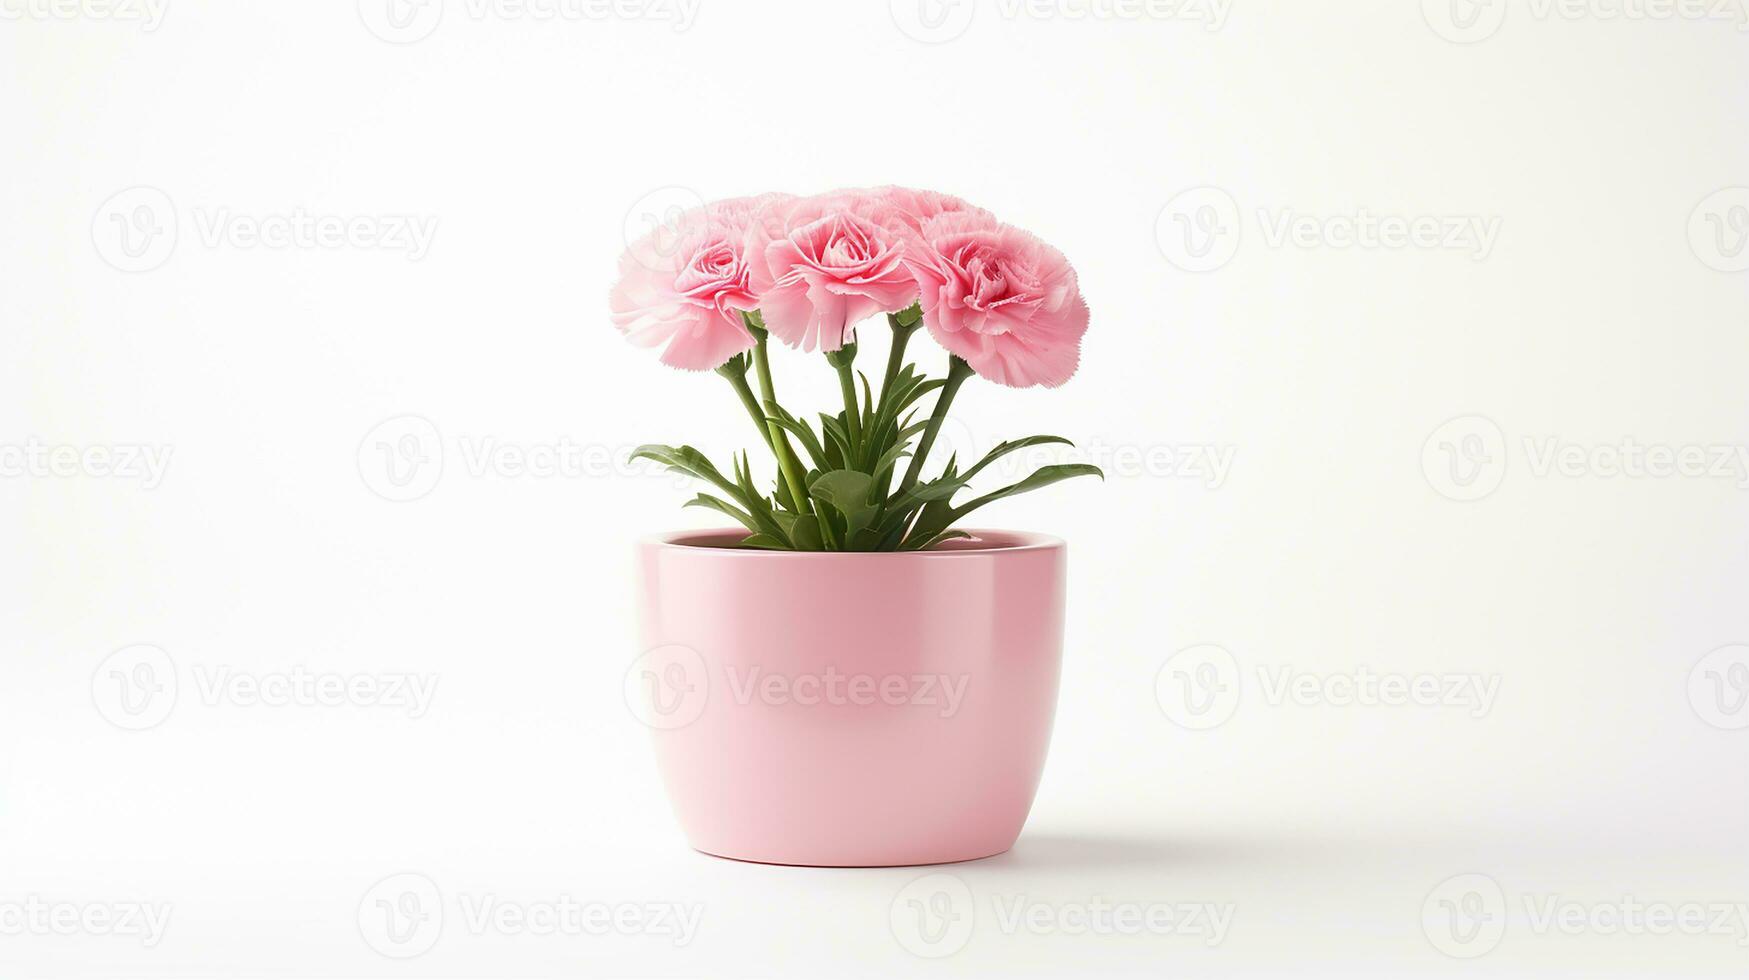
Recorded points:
(851,678)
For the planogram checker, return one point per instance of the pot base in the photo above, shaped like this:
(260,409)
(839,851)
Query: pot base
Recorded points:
(851,864)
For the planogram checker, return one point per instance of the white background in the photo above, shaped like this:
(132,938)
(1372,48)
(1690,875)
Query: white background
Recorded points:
(1608,308)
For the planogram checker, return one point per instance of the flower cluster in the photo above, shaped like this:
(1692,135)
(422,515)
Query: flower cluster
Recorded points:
(711,287)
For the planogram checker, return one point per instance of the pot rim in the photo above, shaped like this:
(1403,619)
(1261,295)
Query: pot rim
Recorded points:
(985,543)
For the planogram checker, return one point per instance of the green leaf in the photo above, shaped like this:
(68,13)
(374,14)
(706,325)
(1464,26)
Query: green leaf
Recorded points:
(890,459)
(1043,477)
(810,442)
(936,539)
(718,504)
(833,426)
(687,460)
(764,541)
(1011,445)
(806,533)
(847,492)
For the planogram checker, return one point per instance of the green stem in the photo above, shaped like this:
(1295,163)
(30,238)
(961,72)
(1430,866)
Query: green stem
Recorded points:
(957,373)
(896,356)
(780,447)
(739,382)
(852,413)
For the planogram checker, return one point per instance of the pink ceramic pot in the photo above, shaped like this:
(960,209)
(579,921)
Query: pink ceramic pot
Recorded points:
(848,709)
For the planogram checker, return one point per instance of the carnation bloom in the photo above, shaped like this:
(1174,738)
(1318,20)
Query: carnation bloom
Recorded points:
(915,207)
(820,264)
(685,286)
(999,298)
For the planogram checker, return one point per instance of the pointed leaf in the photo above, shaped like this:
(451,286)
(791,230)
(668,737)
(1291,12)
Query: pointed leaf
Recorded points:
(1043,477)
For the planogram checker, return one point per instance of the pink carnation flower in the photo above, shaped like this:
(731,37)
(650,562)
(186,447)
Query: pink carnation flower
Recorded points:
(1000,298)
(686,287)
(821,264)
(916,207)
